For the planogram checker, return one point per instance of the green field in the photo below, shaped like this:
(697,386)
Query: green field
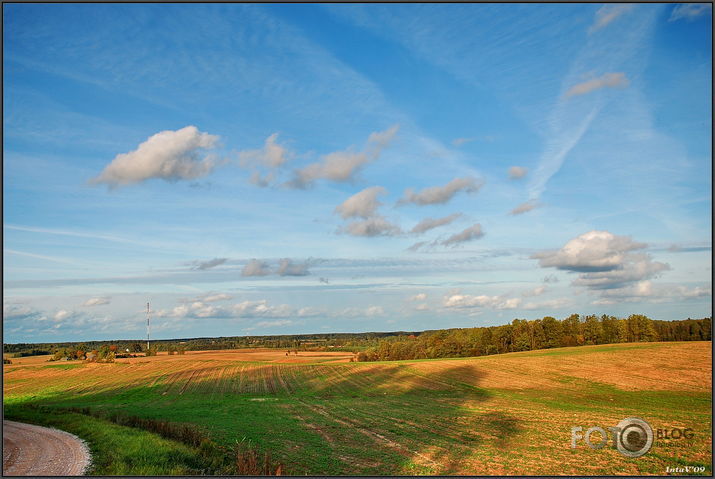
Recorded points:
(505,414)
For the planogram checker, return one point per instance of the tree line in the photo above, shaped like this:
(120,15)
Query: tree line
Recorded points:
(524,335)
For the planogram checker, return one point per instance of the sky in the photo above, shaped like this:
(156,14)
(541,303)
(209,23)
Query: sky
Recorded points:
(285,169)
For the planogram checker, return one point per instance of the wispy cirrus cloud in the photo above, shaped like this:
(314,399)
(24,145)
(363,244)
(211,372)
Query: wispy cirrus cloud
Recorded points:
(168,155)
(607,80)
(689,11)
(607,14)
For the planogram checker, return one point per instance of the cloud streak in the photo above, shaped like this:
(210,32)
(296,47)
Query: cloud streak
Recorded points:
(607,80)
(431,223)
(441,194)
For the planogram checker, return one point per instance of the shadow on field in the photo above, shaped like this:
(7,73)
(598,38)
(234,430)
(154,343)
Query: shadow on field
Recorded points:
(324,419)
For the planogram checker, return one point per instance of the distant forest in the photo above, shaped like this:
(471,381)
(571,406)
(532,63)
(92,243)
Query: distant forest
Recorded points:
(548,332)
(519,335)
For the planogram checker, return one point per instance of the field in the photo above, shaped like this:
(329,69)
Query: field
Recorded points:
(318,413)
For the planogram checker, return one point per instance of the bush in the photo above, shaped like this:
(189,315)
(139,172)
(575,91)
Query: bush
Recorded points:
(6,361)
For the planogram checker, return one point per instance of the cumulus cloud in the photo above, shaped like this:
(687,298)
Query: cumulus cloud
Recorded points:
(362,204)
(374,226)
(246,309)
(96,301)
(212,263)
(255,268)
(524,207)
(287,267)
(550,304)
(431,223)
(422,307)
(463,301)
(168,155)
(516,172)
(272,155)
(607,14)
(469,234)
(341,166)
(550,278)
(604,260)
(689,11)
(419,297)
(441,194)
(607,80)
(697,292)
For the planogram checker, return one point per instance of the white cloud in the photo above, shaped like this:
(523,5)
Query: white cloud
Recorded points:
(697,292)
(604,260)
(341,166)
(441,194)
(524,207)
(374,226)
(362,204)
(217,297)
(261,309)
(255,268)
(689,11)
(373,311)
(516,172)
(607,80)
(96,301)
(61,314)
(482,301)
(422,307)
(607,14)
(274,324)
(287,267)
(538,291)
(430,223)
(419,297)
(169,155)
(469,234)
(272,155)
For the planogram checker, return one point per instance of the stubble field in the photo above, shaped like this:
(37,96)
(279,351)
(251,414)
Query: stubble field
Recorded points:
(318,413)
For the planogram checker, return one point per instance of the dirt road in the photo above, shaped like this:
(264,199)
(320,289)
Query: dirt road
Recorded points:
(39,451)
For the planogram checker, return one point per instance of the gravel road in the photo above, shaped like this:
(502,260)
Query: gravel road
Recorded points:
(39,451)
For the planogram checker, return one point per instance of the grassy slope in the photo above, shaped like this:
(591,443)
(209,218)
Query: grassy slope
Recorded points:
(509,414)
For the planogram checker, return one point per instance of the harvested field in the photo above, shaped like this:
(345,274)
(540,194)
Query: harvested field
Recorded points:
(320,414)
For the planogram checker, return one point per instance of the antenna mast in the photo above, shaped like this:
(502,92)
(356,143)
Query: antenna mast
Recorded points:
(147,327)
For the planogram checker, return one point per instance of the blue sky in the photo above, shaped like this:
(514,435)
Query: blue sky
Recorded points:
(280,169)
